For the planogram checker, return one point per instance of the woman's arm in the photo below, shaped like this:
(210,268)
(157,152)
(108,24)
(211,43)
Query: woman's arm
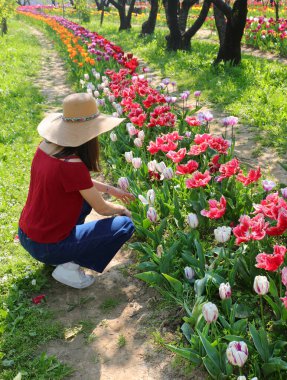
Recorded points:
(102,207)
(113,191)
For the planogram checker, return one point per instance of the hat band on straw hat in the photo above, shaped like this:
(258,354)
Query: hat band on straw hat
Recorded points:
(77,119)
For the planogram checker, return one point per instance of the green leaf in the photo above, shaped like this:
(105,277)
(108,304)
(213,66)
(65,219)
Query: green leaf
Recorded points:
(274,365)
(213,370)
(199,286)
(273,288)
(176,284)
(187,331)
(200,255)
(276,309)
(211,351)
(152,278)
(186,353)
(147,266)
(146,223)
(259,344)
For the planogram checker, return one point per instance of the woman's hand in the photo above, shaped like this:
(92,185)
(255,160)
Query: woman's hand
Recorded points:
(126,212)
(121,194)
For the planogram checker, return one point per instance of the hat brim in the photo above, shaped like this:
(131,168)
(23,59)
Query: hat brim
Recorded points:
(65,133)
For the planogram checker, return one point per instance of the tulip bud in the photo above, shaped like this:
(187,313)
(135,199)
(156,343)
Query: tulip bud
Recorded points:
(189,273)
(197,94)
(284,276)
(111,98)
(131,129)
(261,285)
(86,76)
(284,192)
(159,250)
(106,91)
(151,196)
(224,291)
(129,156)
(141,135)
(123,183)
(138,142)
(192,220)
(222,234)
(160,166)
(237,353)
(152,165)
(210,312)
(167,173)
(241,378)
(136,162)
(96,94)
(113,136)
(152,214)
(97,76)
(268,185)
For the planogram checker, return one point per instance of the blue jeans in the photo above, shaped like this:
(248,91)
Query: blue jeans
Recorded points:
(91,245)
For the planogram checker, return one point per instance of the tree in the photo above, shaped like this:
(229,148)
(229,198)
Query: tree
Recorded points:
(83,9)
(7,8)
(230,34)
(149,25)
(125,15)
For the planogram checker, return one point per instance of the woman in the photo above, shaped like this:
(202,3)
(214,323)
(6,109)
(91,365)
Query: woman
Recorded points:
(62,193)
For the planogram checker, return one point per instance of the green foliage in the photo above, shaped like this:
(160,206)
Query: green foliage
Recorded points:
(24,327)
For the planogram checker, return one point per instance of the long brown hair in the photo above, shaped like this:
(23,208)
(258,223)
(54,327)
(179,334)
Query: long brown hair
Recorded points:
(88,152)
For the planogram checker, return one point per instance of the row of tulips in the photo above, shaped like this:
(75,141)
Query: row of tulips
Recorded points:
(205,227)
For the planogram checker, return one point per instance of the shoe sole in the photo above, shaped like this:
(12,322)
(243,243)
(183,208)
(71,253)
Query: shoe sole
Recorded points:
(73,284)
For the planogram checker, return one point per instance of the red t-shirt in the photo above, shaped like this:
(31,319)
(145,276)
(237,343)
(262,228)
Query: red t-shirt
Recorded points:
(54,202)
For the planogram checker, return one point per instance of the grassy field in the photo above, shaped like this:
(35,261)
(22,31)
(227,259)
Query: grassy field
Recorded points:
(255,91)
(24,326)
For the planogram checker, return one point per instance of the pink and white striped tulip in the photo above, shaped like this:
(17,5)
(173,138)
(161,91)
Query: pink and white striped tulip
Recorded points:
(160,166)
(225,291)
(138,142)
(222,234)
(284,276)
(152,165)
(113,136)
(152,214)
(137,162)
(123,183)
(167,173)
(129,156)
(192,220)
(210,312)
(261,285)
(237,353)
(141,135)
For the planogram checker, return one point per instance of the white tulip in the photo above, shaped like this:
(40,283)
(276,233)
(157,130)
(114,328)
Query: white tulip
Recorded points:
(210,312)
(222,234)
(129,156)
(152,165)
(261,285)
(113,136)
(138,142)
(123,183)
(141,135)
(192,220)
(167,173)
(136,162)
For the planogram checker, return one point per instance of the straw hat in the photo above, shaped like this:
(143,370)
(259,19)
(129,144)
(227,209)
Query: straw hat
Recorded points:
(80,122)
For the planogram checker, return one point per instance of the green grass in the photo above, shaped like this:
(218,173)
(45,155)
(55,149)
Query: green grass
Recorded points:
(255,91)
(109,304)
(24,327)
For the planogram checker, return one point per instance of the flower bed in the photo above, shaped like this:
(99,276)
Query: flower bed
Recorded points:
(212,237)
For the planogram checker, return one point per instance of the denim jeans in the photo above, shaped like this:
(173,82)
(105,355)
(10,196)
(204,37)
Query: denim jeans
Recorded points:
(91,245)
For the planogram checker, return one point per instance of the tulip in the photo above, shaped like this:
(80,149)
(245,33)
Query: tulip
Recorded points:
(141,135)
(96,94)
(129,156)
(111,98)
(152,165)
(210,312)
(268,185)
(97,76)
(86,76)
(106,91)
(261,285)
(197,94)
(160,166)
(152,214)
(189,273)
(241,378)
(230,121)
(192,220)
(151,196)
(167,173)
(138,142)
(136,162)
(284,192)
(131,129)
(115,114)
(237,353)
(284,276)
(123,183)
(222,234)
(113,136)
(224,291)
(159,250)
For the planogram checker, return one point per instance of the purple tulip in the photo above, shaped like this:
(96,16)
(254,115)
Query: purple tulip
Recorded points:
(268,185)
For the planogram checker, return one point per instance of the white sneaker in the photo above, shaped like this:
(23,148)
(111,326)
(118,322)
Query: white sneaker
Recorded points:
(72,275)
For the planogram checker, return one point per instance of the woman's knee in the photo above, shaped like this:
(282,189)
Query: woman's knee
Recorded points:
(124,225)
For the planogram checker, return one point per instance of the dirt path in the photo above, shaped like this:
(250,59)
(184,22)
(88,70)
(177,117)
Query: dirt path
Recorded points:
(109,327)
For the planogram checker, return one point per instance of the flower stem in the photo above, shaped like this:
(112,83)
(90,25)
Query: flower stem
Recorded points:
(262,314)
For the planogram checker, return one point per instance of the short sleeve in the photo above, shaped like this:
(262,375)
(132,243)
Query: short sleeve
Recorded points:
(75,176)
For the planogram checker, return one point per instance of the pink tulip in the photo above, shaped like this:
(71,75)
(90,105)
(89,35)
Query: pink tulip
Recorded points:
(129,156)
(152,165)
(261,285)
(224,291)
(123,183)
(137,162)
(268,185)
(138,142)
(152,214)
(284,192)
(141,135)
(284,276)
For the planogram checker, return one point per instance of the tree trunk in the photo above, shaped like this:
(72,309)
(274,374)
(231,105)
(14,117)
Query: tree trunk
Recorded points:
(149,25)
(129,15)
(276,4)
(174,37)
(4,26)
(230,50)
(197,24)
(220,23)
(183,14)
